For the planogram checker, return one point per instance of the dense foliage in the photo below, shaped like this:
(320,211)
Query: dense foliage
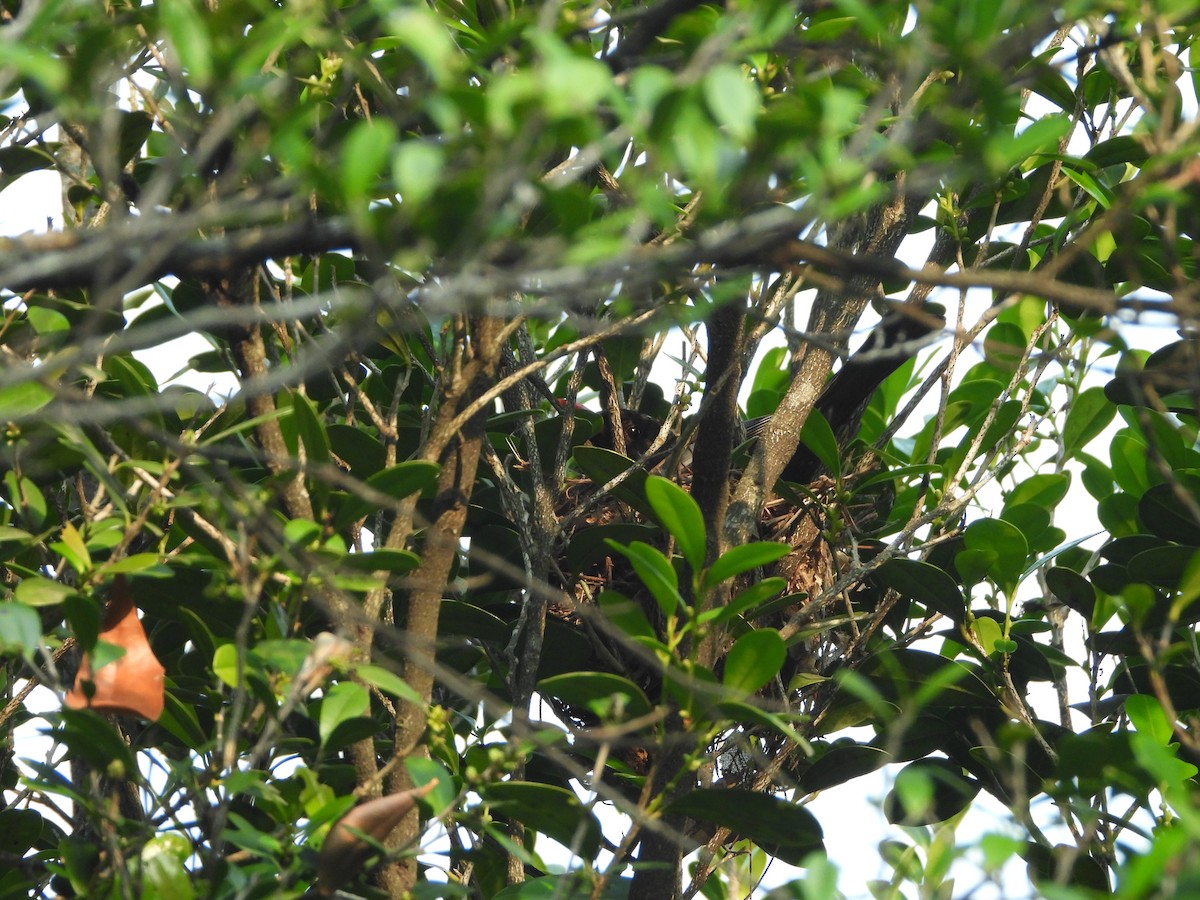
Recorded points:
(469,537)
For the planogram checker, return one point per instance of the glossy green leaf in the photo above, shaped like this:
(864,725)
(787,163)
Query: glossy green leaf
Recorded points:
(625,615)
(147,565)
(365,155)
(389,682)
(924,583)
(818,437)
(753,660)
(1045,490)
(423,771)
(342,701)
(38,591)
(747,602)
(1147,716)
(23,399)
(311,429)
(1000,547)
(164,871)
(397,482)
(398,562)
(553,811)
(841,763)
(987,632)
(602,466)
(20,628)
(928,791)
(225,664)
(743,558)
(681,516)
(20,830)
(601,692)
(781,827)
(190,38)
(9,533)
(732,99)
(1071,589)
(1089,415)
(655,572)
(416,168)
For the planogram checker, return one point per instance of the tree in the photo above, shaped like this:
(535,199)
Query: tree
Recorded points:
(446,253)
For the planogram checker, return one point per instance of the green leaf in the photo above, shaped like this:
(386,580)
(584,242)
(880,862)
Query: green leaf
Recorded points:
(602,466)
(365,153)
(164,874)
(820,439)
(1147,716)
(342,702)
(83,618)
(416,168)
(1125,148)
(225,664)
(424,770)
(625,615)
(1003,152)
(987,632)
(300,532)
(73,548)
(180,720)
(426,35)
(596,691)
(655,571)
(681,516)
(145,564)
(732,99)
(16,160)
(38,591)
(754,659)
(20,628)
(1072,589)
(9,533)
(924,583)
(20,830)
(1045,490)
(1088,417)
(135,128)
(310,428)
(553,811)
(928,791)
(398,562)
(397,482)
(735,561)
(841,763)
(782,828)
(88,736)
(388,682)
(1004,548)
(746,602)
(189,38)
(23,399)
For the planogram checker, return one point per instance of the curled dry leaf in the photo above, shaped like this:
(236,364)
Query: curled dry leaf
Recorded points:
(131,685)
(344,850)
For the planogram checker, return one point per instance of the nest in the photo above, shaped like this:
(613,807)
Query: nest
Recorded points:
(817,560)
